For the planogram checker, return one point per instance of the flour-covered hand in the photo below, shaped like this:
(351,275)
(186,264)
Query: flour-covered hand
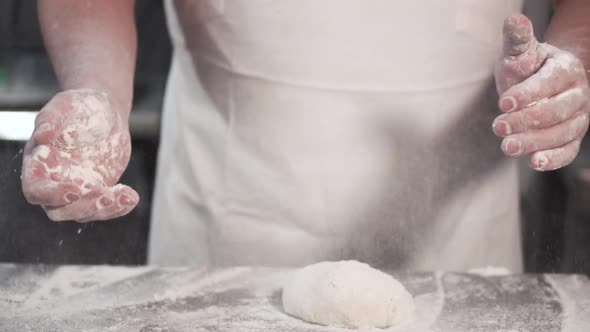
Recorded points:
(75,157)
(544,97)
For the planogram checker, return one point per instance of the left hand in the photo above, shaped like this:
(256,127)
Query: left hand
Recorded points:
(75,157)
(544,97)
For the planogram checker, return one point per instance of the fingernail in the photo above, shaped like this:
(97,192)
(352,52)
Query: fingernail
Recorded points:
(508,104)
(125,200)
(541,162)
(71,197)
(41,131)
(501,128)
(512,147)
(45,126)
(105,201)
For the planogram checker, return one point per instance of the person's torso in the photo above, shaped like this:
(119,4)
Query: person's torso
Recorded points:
(345,128)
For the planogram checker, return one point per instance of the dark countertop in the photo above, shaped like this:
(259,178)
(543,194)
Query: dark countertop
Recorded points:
(103,298)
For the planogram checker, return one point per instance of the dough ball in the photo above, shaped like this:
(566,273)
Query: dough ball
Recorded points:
(347,294)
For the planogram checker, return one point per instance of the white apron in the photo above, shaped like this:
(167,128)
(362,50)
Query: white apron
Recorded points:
(296,131)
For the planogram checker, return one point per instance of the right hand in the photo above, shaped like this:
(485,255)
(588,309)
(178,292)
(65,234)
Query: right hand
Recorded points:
(545,98)
(75,157)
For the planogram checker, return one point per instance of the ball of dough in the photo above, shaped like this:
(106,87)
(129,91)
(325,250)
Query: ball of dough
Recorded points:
(347,294)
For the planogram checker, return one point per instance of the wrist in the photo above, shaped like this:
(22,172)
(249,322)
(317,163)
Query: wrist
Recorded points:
(121,105)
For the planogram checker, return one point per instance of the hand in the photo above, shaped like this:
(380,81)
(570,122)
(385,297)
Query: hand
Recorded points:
(77,153)
(544,96)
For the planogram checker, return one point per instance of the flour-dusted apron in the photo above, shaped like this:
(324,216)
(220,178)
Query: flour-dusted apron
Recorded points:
(296,131)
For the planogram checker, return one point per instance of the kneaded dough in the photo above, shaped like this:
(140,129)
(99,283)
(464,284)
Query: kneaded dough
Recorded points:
(347,294)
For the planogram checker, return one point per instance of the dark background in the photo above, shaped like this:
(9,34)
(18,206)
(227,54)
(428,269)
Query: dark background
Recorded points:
(555,205)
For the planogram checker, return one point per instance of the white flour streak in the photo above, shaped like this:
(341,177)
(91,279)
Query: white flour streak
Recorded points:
(572,293)
(435,307)
(62,283)
(88,175)
(540,101)
(490,271)
(202,283)
(94,122)
(42,151)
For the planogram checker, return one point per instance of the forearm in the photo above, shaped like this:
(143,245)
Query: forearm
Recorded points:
(92,44)
(570,28)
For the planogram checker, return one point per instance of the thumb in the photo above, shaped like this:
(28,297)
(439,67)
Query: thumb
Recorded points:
(49,120)
(46,126)
(522,54)
(518,35)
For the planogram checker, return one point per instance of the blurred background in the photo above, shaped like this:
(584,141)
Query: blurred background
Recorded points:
(555,205)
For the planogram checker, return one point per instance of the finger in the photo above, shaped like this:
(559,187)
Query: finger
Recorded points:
(39,162)
(85,207)
(549,160)
(48,121)
(523,55)
(559,73)
(43,134)
(33,170)
(126,200)
(28,147)
(518,35)
(543,114)
(51,193)
(39,182)
(550,138)
(101,204)
(43,163)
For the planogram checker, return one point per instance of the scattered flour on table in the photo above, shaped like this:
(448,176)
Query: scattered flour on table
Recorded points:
(61,284)
(574,293)
(237,299)
(250,300)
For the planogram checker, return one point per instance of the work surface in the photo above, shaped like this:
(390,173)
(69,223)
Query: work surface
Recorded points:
(75,298)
